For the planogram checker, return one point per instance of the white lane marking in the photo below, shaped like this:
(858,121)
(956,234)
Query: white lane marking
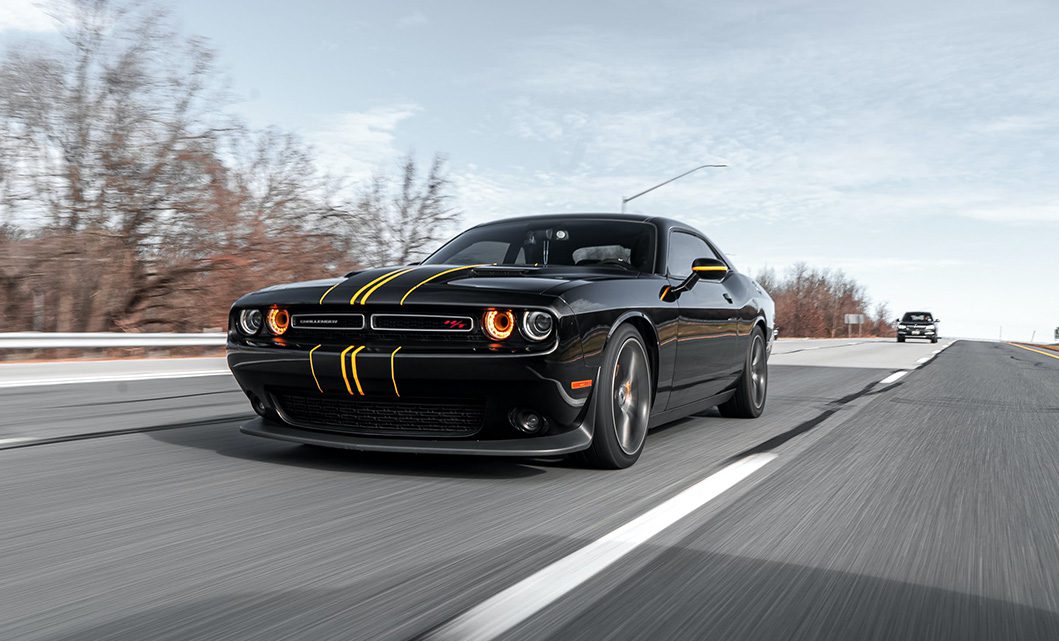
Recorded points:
(505,610)
(892,377)
(113,378)
(14,440)
(924,359)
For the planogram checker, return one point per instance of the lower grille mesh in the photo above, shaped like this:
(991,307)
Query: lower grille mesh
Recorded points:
(382,418)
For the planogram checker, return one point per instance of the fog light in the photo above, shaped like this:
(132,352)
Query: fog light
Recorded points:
(256,403)
(526,421)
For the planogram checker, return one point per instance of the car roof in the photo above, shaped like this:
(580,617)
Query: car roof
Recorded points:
(660,221)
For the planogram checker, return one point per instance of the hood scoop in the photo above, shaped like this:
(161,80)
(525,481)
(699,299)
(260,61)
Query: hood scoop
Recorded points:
(504,272)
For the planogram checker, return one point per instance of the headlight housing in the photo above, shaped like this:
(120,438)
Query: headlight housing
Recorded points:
(250,321)
(498,324)
(537,326)
(901,326)
(278,320)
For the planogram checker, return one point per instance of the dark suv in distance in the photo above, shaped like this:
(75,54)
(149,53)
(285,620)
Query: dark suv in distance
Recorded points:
(917,325)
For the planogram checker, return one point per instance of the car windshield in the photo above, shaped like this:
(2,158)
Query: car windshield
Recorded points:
(917,317)
(610,243)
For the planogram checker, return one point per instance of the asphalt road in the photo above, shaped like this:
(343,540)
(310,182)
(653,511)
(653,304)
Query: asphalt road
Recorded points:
(927,508)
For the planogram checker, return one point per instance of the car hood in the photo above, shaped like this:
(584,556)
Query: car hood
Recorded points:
(436,284)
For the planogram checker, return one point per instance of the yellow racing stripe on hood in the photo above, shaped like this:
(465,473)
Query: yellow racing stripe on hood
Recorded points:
(329,290)
(438,275)
(353,300)
(388,278)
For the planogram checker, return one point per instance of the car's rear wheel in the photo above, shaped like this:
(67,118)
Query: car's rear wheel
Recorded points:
(623,404)
(752,388)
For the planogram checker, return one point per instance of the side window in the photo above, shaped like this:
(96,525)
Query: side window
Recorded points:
(683,250)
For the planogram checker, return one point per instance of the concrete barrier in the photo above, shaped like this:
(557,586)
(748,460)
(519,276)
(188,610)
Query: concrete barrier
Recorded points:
(75,340)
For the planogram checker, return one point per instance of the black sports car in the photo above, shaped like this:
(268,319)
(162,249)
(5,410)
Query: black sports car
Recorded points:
(535,336)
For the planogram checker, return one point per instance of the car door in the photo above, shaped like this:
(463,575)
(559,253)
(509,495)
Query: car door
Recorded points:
(707,330)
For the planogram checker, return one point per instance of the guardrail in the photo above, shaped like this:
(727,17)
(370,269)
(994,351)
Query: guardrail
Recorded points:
(63,340)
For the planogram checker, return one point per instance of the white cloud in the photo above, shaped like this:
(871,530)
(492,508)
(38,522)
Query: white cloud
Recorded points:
(414,19)
(1016,213)
(24,15)
(1021,123)
(862,264)
(355,144)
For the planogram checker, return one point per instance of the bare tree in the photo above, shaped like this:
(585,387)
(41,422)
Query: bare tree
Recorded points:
(813,302)
(111,136)
(395,222)
(132,201)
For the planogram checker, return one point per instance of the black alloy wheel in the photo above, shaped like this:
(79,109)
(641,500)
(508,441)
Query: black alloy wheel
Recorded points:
(752,388)
(623,407)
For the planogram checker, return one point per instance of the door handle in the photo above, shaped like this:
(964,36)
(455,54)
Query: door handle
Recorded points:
(727,297)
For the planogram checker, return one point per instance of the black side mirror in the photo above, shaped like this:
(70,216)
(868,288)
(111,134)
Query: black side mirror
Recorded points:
(708,268)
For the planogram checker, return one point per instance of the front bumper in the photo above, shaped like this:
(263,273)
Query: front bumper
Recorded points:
(913,333)
(379,380)
(554,445)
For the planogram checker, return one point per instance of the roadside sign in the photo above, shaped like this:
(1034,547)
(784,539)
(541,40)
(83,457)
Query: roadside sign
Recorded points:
(1057,333)
(858,319)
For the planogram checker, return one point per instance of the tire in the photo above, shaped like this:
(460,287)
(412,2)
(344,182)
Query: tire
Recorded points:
(934,339)
(752,388)
(623,404)
(900,339)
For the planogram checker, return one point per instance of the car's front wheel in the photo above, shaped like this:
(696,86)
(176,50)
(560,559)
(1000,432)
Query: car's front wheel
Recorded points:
(623,404)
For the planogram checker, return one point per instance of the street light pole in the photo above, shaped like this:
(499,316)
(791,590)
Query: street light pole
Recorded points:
(625,200)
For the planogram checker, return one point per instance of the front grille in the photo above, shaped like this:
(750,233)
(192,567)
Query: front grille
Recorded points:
(369,336)
(413,417)
(327,321)
(421,323)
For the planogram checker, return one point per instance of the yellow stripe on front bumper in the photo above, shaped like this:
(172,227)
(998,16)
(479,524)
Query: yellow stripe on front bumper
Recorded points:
(353,362)
(393,371)
(313,369)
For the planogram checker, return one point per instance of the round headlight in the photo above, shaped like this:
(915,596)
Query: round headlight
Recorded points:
(250,321)
(498,323)
(278,320)
(537,326)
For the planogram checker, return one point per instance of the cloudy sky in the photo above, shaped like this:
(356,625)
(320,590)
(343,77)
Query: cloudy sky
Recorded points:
(913,145)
